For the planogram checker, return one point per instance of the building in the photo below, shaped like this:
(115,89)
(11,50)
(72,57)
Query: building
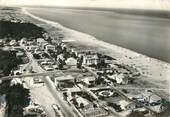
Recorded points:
(40,41)
(90,59)
(42,46)
(13,43)
(1,42)
(23,42)
(32,48)
(49,47)
(71,61)
(119,78)
(30,43)
(153,100)
(83,103)
(20,54)
(151,97)
(126,105)
(88,81)
(94,112)
(15,81)
(38,51)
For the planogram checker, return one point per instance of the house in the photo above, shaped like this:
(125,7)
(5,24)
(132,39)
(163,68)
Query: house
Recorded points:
(49,47)
(94,112)
(40,41)
(23,41)
(60,59)
(88,81)
(32,48)
(71,61)
(38,51)
(46,36)
(153,100)
(15,81)
(1,42)
(91,59)
(3,101)
(150,97)
(43,45)
(126,105)
(19,54)
(119,78)
(13,43)
(82,101)
(33,110)
(30,43)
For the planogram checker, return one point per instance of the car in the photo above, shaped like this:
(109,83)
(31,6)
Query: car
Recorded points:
(57,110)
(48,68)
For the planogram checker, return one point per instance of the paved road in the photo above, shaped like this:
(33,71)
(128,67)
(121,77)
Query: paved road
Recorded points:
(63,105)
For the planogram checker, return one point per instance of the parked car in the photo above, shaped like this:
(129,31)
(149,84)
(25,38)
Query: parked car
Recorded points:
(57,110)
(48,68)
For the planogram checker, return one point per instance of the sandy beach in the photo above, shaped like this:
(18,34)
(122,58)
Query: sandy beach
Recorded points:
(152,70)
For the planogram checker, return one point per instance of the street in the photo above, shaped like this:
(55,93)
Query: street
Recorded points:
(55,96)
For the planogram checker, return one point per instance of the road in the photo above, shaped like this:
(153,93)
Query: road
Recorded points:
(121,93)
(51,87)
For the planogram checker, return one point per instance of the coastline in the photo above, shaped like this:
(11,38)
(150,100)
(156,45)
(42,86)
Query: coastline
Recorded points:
(155,69)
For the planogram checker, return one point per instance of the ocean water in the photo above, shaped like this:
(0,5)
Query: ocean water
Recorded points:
(143,34)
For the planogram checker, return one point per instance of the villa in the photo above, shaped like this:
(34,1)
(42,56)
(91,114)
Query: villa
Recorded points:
(119,78)
(91,59)
(88,81)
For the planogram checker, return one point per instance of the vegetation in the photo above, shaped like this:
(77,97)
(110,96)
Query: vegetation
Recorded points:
(8,61)
(17,30)
(17,98)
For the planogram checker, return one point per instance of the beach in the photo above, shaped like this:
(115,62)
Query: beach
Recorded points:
(152,70)
(142,33)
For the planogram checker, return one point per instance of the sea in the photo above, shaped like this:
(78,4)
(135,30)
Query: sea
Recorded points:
(145,34)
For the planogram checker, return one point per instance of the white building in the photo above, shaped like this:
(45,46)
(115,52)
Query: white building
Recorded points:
(32,48)
(15,81)
(91,59)
(119,78)
(13,43)
(126,105)
(71,61)
(88,81)
(41,41)
(23,42)
(50,47)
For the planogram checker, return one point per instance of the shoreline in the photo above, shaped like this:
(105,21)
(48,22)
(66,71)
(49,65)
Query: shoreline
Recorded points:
(127,11)
(124,55)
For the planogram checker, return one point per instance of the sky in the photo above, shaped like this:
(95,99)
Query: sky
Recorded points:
(140,4)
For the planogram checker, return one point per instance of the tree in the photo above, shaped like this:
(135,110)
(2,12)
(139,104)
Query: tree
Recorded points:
(75,102)
(17,98)
(81,105)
